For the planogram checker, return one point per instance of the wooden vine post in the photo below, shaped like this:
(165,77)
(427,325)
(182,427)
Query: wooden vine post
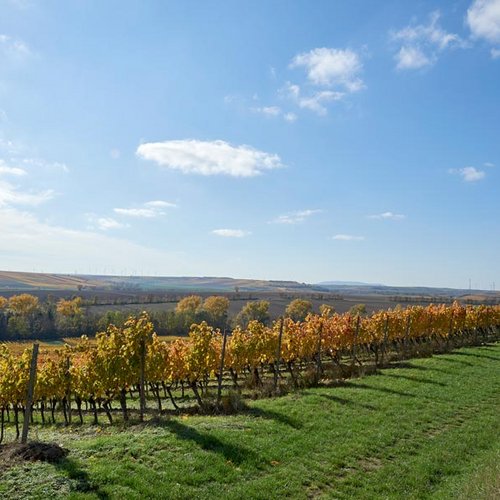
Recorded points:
(407,335)
(354,340)
(318,360)
(386,333)
(278,355)
(221,367)
(142,394)
(68,394)
(29,395)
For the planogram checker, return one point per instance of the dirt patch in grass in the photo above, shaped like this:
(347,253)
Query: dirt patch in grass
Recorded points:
(34,451)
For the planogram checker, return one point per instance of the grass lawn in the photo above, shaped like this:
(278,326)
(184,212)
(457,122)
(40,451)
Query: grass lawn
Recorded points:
(428,429)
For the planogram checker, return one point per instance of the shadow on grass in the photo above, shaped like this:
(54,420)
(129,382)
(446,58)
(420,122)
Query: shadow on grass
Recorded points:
(235,453)
(347,402)
(487,348)
(270,415)
(83,482)
(457,361)
(416,379)
(410,366)
(403,364)
(386,390)
(477,355)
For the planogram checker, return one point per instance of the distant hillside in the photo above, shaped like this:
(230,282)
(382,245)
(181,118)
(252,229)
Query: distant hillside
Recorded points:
(347,283)
(10,280)
(353,288)
(13,281)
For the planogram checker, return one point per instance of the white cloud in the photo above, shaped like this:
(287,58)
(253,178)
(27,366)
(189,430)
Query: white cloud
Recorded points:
(468,174)
(6,170)
(268,110)
(495,53)
(43,164)
(347,237)
(231,233)
(11,195)
(488,164)
(160,204)
(106,223)
(483,18)
(295,217)
(387,216)
(314,102)
(137,212)
(290,117)
(209,157)
(103,223)
(29,243)
(331,67)
(422,43)
(148,210)
(412,58)
(317,100)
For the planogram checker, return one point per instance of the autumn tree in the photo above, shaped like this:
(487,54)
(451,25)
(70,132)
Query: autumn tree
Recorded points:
(358,309)
(326,310)
(23,309)
(69,314)
(256,310)
(187,311)
(189,305)
(23,304)
(216,308)
(298,309)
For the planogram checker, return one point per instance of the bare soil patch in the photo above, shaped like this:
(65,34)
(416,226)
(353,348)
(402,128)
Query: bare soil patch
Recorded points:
(34,451)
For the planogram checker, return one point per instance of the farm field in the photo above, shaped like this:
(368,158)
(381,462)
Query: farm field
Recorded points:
(427,428)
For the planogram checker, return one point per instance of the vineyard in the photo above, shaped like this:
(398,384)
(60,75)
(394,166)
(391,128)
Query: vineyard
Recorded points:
(122,364)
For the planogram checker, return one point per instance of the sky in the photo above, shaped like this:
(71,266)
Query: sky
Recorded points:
(296,140)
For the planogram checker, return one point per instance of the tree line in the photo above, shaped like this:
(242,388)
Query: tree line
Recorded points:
(24,316)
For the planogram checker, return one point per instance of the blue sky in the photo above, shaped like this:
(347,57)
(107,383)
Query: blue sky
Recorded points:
(334,140)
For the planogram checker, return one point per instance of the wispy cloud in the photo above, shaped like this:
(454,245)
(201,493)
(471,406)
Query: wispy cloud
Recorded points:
(413,58)
(313,102)
(329,67)
(13,48)
(7,170)
(275,112)
(268,110)
(422,43)
(295,217)
(148,210)
(231,233)
(347,237)
(387,216)
(209,157)
(468,174)
(104,223)
(43,164)
(11,195)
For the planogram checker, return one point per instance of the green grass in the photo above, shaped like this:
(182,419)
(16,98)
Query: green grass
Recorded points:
(430,429)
